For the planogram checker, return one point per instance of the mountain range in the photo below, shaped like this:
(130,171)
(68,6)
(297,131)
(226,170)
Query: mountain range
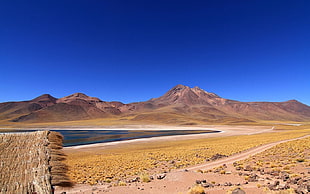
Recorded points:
(180,105)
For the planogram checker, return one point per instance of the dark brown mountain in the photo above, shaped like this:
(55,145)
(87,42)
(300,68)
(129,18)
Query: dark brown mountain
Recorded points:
(178,106)
(12,109)
(46,108)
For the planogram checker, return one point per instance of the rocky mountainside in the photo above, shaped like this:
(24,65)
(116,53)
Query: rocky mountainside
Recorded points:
(179,102)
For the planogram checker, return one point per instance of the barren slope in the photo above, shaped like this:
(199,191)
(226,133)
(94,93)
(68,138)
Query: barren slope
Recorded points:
(181,105)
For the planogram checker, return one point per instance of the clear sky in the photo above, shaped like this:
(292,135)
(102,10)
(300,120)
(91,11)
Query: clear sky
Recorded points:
(131,50)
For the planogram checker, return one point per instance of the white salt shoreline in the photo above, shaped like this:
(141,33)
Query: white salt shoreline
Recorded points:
(129,128)
(148,139)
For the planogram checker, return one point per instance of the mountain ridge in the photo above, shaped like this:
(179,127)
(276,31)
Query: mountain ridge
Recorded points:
(179,104)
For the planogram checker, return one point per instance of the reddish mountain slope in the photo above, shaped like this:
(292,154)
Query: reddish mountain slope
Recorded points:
(46,108)
(178,105)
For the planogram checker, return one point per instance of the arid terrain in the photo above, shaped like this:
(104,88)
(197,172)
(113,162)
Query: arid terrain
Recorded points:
(218,163)
(256,150)
(180,106)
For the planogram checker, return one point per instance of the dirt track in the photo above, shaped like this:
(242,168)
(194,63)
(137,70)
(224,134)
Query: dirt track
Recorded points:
(241,156)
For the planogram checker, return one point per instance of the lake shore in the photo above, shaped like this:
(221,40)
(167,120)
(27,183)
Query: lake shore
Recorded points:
(225,130)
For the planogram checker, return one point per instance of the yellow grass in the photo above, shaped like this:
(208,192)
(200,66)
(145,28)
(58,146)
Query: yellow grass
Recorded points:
(197,189)
(285,157)
(126,161)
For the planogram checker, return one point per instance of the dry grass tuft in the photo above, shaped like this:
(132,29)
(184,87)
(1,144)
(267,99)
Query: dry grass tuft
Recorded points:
(197,189)
(145,178)
(59,170)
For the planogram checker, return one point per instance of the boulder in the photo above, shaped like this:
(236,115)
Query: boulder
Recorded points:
(238,191)
(161,176)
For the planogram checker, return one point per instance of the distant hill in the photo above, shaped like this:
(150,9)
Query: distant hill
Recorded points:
(179,105)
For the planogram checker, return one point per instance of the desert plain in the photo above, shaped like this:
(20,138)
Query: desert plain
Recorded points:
(253,159)
(262,147)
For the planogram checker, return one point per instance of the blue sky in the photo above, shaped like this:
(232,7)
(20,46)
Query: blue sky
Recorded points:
(135,50)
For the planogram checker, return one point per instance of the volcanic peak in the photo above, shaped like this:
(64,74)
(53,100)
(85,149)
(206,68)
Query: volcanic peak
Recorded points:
(44,97)
(78,96)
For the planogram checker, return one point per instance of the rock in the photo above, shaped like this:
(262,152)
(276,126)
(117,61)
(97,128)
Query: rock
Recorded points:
(248,168)
(300,182)
(276,186)
(135,179)
(238,191)
(228,172)
(207,184)
(228,184)
(201,181)
(216,170)
(271,187)
(238,168)
(275,173)
(303,189)
(285,177)
(295,180)
(276,183)
(217,156)
(161,176)
(281,187)
(253,177)
(287,186)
